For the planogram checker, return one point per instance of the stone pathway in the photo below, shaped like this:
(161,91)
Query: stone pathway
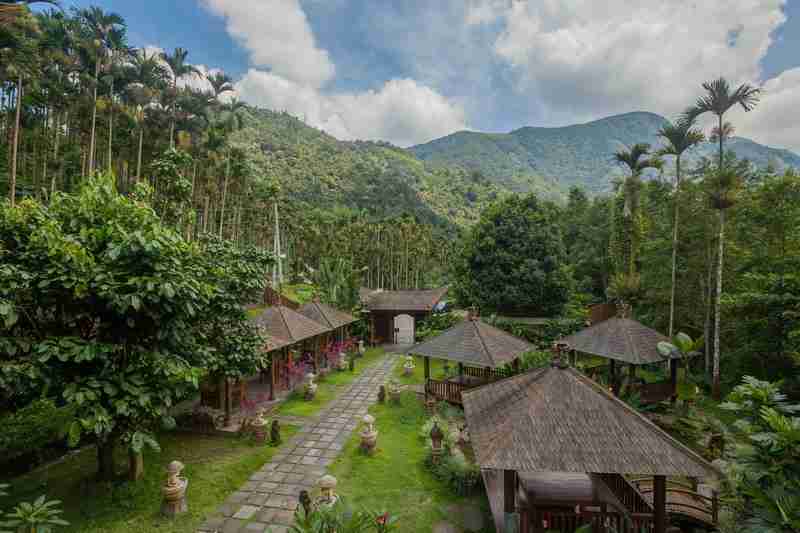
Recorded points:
(266,502)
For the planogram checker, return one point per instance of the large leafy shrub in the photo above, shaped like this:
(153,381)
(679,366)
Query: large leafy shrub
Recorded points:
(32,427)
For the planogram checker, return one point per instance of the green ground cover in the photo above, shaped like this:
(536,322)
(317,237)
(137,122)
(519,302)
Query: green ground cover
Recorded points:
(215,467)
(329,387)
(396,479)
(418,376)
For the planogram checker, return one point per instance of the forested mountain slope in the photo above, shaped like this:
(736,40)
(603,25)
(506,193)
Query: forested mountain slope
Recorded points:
(579,154)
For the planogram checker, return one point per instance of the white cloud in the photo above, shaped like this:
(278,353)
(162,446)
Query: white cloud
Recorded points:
(278,36)
(402,111)
(583,58)
(774,121)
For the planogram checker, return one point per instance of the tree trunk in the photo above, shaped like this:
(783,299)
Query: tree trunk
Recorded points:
(139,157)
(135,465)
(674,245)
(715,391)
(55,158)
(105,459)
(12,192)
(110,123)
(94,119)
(224,195)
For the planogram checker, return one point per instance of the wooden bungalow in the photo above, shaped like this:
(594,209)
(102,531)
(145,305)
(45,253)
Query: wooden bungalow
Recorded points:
(482,353)
(626,341)
(556,451)
(393,314)
(287,331)
(338,321)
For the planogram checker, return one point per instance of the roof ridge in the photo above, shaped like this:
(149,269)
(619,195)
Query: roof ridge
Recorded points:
(280,309)
(646,422)
(323,314)
(483,342)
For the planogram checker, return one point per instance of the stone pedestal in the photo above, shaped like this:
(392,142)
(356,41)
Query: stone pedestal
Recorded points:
(174,491)
(369,435)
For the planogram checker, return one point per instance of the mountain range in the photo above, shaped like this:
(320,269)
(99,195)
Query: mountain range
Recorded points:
(448,181)
(532,158)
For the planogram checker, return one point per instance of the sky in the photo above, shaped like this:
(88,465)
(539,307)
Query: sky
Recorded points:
(409,71)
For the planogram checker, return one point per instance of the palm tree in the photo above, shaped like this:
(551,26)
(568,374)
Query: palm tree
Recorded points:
(11,9)
(718,100)
(679,137)
(220,83)
(148,76)
(180,68)
(637,159)
(723,186)
(118,53)
(101,26)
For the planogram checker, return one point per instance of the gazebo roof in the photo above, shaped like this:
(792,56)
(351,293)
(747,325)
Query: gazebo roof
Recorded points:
(474,343)
(326,315)
(410,300)
(558,420)
(622,339)
(283,327)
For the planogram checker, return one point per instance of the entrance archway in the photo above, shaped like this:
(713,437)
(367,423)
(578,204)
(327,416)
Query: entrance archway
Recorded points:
(404,329)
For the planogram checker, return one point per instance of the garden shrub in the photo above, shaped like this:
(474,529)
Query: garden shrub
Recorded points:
(32,428)
(462,476)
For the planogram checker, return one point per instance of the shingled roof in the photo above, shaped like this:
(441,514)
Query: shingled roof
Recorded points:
(410,300)
(326,315)
(623,339)
(558,420)
(474,343)
(283,327)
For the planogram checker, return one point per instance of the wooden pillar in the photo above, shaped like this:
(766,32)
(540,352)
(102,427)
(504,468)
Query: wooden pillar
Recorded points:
(632,372)
(659,504)
(673,377)
(427,368)
(603,516)
(515,365)
(227,401)
(612,376)
(486,373)
(272,372)
(461,372)
(510,501)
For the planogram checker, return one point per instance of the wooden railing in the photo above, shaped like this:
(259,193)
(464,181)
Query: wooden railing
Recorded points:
(445,390)
(567,521)
(492,374)
(627,493)
(653,392)
(683,499)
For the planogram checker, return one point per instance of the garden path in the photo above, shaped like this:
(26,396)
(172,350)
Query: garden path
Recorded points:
(266,502)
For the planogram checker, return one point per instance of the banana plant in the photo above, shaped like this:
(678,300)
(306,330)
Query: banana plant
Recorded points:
(681,347)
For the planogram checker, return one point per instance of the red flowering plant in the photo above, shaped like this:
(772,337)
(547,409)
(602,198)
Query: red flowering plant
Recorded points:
(249,411)
(384,522)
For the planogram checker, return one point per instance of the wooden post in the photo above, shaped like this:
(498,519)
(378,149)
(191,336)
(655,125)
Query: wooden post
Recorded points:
(660,504)
(515,365)
(632,372)
(612,375)
(461,372)
(427,368)
(272,371)
(227,401)
(603,516)
(486,373)
(510,501)
(673,377)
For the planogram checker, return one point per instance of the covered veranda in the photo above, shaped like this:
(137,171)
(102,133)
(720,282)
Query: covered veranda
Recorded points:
(293,341)
(336,320)
(624,341)
(483,353)
(557,451)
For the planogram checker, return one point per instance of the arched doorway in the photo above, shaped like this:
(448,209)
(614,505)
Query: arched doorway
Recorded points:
(404,329)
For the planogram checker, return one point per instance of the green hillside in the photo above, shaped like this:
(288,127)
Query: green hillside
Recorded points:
(530,158)
(316,170)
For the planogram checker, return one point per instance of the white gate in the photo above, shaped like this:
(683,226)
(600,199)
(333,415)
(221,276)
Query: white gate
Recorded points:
(404,329)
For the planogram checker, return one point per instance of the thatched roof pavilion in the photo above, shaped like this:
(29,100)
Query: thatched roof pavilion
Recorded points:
(284,328)
(326,315)
(474,344)
(621,339)
(554,423)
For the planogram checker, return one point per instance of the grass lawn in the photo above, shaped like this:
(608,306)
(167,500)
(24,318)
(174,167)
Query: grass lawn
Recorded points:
(215,467)
(333,384)
(395,479)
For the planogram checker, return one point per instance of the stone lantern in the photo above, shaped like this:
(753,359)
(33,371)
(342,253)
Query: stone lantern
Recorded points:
(369,435)
(260,427)
(437,436)
(327,496)
(408,366)
(361,349)
(174,491)
(310,386)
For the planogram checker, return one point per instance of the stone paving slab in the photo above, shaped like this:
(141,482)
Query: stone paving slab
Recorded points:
(266,502)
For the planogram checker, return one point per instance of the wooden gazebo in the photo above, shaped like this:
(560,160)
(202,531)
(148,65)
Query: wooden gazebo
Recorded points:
(482,352)
(626,341)
(556,449)
(285,330)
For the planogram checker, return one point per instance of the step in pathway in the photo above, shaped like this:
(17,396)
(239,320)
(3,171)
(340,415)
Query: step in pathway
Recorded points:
(267,501)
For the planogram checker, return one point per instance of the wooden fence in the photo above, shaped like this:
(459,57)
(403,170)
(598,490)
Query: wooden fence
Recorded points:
(448,391)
